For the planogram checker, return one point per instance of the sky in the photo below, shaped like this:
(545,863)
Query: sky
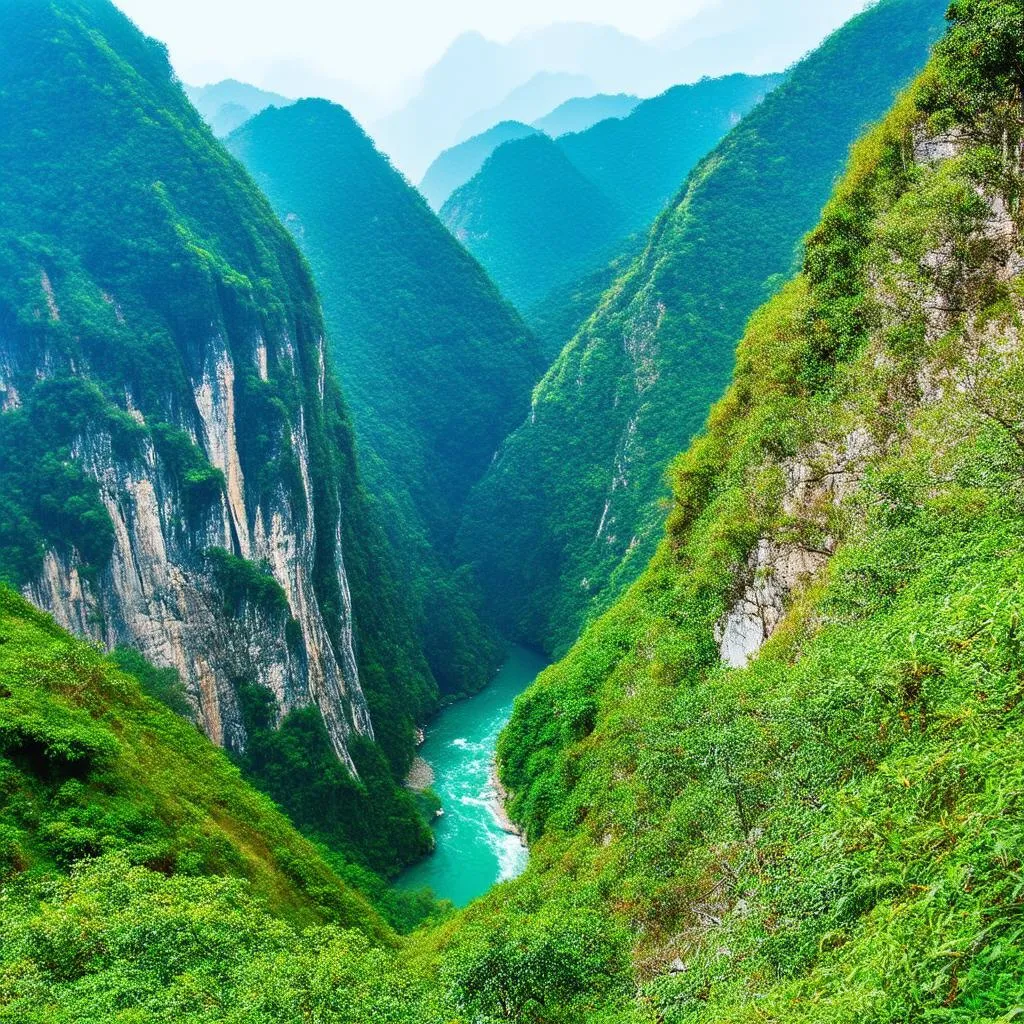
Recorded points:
(379,45)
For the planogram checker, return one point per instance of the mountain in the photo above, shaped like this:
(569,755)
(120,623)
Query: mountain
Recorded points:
(532,219)
(455,166)
(93,765)
(778,781)
(414,135)
(177,472)
(538,221)
(571,510)
(225,105)
(579,113)
(435,366)
(782,763)
(765,36)
(535,97)
(641,160)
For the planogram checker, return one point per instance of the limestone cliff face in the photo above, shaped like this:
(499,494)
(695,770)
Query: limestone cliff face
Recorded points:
(159,591)
(944,287)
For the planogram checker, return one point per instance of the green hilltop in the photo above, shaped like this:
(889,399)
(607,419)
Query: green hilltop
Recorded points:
(435,366)
(572,509)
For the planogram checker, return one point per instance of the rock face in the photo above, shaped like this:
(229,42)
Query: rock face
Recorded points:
(160,592)
(817,483)
(177,469)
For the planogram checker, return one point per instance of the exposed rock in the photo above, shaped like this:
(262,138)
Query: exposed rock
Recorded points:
(159,595)
(421,775)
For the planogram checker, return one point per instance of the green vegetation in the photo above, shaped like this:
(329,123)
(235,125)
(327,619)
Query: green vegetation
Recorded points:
(641,160)
(240,580)
(91,767)
(295,764)
(128,273)
(455,166)
(408,307)
(541,214)
(532,219)
(571,511)
(830,834)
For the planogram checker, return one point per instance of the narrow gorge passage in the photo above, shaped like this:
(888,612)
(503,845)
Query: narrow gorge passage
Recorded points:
(474,849)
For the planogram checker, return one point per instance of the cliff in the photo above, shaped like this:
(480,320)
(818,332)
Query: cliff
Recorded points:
(436,367)
(175,456)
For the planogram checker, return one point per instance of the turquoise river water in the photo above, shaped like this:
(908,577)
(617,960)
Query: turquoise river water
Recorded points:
(473,851)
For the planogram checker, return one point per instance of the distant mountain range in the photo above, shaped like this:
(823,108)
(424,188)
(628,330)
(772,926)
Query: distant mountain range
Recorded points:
(752,37)
(534,99)
(226,105)
(579,113)
(540,214)
(455,166)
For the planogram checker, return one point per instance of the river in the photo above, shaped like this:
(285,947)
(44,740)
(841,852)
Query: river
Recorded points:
(473,851)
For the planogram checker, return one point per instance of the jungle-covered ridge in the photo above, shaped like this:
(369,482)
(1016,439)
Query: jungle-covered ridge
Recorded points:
(776,777)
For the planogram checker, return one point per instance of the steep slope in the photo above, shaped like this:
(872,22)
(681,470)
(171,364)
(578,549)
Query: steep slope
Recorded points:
(641,160)
(92,766)
(532,219)
(143,879)
(513,216)
(581,112)
(436,367)
(176,467)
(782,775)
(572,508)
(455,166)
(225,105)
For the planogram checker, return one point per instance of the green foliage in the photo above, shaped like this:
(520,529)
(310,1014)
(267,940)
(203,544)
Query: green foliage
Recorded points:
(980,84)
(240,580)
(641,160)
(114,941)
(571,511)
(200,483)
(831,833)
(541,214)
(50,501)
(534,967)
(162,684)
(455,166)
(406,305)
(365,819)
(89,765)
(130,276)
(533,219)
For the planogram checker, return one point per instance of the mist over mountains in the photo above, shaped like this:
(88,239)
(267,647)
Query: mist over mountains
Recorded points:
(754,38)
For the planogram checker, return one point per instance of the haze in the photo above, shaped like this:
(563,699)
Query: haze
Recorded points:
(374,53)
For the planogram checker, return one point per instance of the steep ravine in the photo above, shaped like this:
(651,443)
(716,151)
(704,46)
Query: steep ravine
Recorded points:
(177,468)
(160,593)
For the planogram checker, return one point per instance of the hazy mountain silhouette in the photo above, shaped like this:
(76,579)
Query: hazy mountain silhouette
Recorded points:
(582,112)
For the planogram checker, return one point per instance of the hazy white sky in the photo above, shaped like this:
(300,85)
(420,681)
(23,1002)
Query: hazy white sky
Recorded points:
(377,44)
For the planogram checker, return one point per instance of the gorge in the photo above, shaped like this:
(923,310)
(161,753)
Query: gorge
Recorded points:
(286,480)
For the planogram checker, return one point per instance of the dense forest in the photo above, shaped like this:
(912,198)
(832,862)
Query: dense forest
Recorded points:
(144,281)
(776,774)
(540,215)
(406,306)
(571,511)
(457,164)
